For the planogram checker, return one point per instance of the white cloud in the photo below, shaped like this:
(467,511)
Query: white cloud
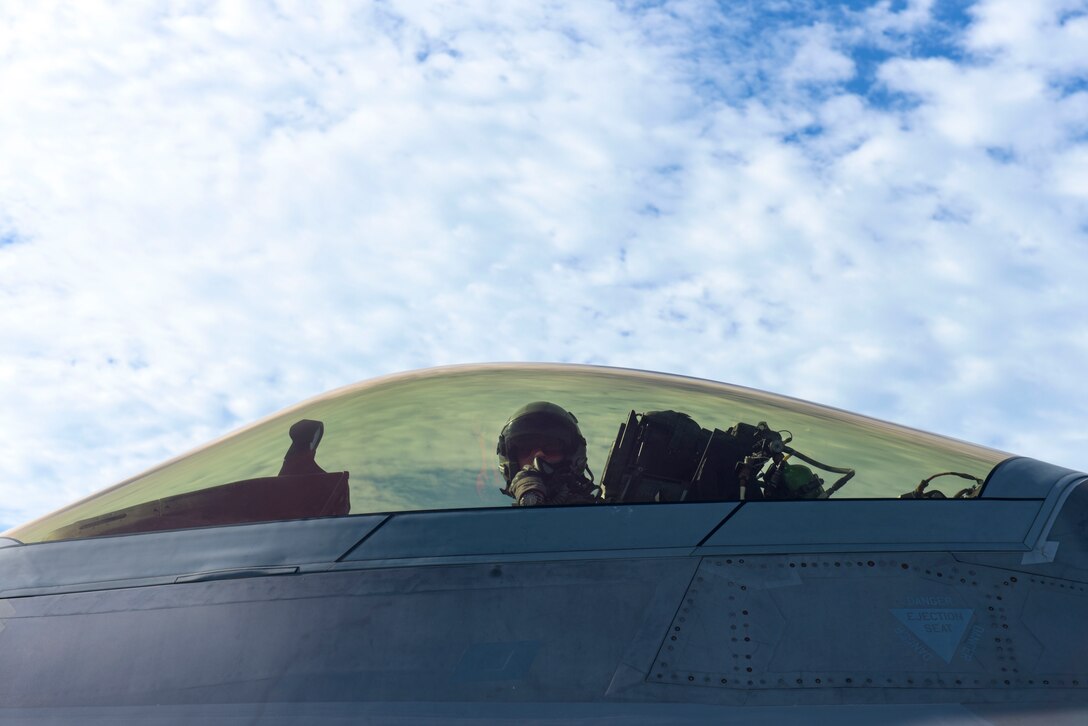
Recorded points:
(912,16)
(816,59)
(1071,174)
(214,211)
(1049,34)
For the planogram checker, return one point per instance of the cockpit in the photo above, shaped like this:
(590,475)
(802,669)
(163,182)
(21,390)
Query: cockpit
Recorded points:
(426,440)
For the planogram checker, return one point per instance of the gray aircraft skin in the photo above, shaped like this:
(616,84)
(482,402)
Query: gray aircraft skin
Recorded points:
(403,587)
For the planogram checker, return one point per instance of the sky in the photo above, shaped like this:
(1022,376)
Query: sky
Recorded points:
(210,211)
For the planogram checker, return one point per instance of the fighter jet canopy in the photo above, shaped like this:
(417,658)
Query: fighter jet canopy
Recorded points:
(426,440)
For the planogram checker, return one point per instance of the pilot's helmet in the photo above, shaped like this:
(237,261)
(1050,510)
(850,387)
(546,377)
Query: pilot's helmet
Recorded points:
(541,421)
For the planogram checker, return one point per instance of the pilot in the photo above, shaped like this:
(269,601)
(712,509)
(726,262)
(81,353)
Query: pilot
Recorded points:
(542,457)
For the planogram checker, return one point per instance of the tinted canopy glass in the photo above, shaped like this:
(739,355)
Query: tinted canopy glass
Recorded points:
(427,440)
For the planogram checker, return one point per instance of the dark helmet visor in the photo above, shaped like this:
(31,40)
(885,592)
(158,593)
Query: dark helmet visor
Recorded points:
(547,445)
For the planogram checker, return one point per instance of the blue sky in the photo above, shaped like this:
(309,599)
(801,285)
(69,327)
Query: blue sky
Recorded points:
(211,211)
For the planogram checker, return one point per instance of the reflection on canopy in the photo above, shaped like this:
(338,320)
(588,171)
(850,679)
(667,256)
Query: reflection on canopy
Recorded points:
(426,440)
